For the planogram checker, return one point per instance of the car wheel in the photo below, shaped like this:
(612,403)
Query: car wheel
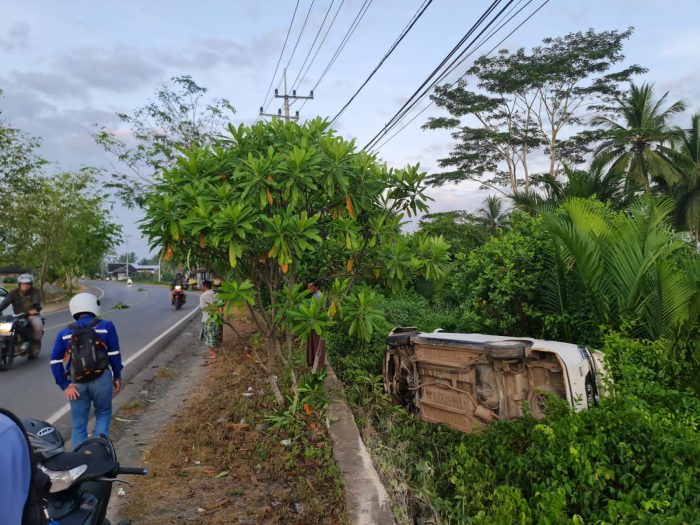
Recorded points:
(538,400)
(505,350)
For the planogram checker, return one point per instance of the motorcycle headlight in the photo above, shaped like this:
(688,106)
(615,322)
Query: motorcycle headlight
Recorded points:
(5,328)
(178,287)
(63,479)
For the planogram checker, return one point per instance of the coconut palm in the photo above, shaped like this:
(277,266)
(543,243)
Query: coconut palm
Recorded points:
(640,140)
(605,186)
(492,213)
(687,191)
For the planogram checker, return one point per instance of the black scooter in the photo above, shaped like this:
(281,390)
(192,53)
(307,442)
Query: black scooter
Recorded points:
(16,336)
(81,481)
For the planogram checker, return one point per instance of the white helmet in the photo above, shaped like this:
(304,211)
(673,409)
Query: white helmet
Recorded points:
(25,278)
(84,303)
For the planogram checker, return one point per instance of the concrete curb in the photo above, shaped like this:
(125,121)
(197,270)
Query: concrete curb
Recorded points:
(366,499)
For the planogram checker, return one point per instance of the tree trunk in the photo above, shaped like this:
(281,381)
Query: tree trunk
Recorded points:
(276,390)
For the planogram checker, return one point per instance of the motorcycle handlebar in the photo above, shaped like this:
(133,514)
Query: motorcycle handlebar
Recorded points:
(137,471)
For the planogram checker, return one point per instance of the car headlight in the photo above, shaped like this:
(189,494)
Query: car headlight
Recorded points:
(5,328)
(63,479)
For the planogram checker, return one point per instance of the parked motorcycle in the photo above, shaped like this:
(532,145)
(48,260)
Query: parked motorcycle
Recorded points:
(178,297)
(16,336)
(81,481)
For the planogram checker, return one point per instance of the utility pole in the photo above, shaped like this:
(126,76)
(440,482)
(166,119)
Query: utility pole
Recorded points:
(286,98)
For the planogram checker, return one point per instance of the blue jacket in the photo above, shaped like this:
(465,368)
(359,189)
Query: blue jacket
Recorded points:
(60,359)
(15,472)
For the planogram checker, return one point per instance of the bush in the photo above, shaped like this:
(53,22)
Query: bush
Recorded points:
(633,459)
(10,280)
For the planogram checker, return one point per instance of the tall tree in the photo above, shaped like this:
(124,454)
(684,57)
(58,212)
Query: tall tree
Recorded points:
(274,205)
(179,117)
(639,139)
(63,229)
(522,103)
(687,190)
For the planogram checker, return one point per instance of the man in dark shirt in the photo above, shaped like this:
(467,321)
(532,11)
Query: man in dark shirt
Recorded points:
(26,299)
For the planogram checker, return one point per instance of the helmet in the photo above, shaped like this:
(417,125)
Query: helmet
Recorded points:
(25,278)
(84,303)
(216,282)
(45,439)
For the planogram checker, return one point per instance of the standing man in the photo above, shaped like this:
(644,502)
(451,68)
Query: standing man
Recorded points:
(82,357)
(210,323)
(15,471)
(315,346)
(26,299)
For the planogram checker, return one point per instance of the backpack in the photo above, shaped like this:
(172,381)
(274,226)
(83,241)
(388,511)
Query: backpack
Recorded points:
(39,485)
(88,353)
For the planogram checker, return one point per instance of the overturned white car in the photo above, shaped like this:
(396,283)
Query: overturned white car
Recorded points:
(467,380)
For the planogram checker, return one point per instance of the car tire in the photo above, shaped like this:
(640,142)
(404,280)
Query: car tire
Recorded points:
(505,350)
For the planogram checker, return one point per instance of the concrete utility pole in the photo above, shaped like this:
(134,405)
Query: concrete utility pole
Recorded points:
(286,98)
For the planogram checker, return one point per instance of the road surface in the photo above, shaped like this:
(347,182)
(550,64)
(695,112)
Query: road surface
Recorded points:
(28,388)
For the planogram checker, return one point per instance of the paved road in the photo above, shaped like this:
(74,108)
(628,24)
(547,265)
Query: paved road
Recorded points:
(28,388)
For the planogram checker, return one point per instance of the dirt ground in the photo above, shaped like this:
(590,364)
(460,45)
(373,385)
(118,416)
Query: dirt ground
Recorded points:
(218,462)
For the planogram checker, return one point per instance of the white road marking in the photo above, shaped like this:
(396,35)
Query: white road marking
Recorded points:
(66,408)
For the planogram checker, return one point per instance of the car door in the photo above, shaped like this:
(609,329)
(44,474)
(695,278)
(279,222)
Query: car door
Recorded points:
(9,310)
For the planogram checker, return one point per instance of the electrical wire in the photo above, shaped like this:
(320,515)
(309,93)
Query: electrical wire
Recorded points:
(289,29)
(313,59)
(343,43)
(318,33)
(462,76)
(410,103)
(301,32)
(401,36)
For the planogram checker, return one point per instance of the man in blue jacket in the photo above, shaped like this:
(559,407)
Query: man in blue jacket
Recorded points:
(15,472)
(99,391)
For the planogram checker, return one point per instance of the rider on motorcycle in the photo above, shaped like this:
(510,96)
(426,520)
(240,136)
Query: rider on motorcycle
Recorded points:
(178,281)
(26,299)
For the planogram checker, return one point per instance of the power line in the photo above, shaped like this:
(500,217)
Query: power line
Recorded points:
(318,33)
(301,32)
(417,95)
(343,43)
(311,6)
(462,76)
(410,102)
(321,44)
(289,29)
(401,36)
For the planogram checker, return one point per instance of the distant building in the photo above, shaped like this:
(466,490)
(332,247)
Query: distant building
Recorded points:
(117,271)
(12,272)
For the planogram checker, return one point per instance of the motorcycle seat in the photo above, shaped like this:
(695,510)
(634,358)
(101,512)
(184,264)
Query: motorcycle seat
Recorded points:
(66,461)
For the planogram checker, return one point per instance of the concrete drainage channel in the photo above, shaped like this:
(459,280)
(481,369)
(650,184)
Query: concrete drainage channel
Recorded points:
(366,499)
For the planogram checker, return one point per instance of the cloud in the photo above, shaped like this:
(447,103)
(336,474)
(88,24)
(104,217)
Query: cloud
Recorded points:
(117,69)
(17,38)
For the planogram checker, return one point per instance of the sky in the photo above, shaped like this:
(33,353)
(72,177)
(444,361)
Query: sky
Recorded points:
(67,67)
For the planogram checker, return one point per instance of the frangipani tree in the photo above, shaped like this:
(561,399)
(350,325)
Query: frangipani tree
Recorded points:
(276,204)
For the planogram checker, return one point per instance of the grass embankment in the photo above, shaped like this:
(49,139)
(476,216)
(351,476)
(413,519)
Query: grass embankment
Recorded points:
(209,468)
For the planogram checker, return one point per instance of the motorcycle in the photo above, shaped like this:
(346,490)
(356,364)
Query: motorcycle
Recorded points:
(178,297)
(81,481)
(16,336)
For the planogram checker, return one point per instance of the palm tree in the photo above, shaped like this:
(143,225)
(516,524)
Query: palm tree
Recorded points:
(640,142)
(634,266)
(492,213)
(606,187)
(687,191)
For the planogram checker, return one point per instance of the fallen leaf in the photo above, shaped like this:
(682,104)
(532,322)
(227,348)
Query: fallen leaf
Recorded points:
(124,420)
(222,474)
